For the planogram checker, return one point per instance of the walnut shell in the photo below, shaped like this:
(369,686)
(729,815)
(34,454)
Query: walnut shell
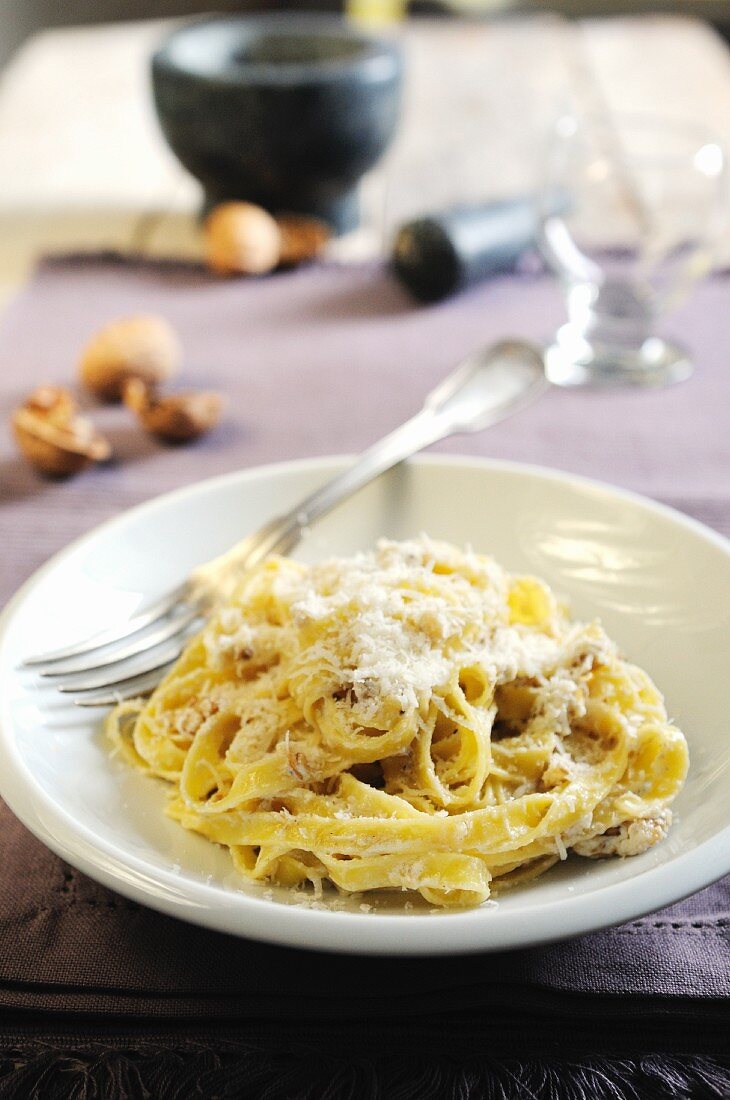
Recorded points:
(54,403)
(302,238)
(144,346)
(241,239)
(177,418)
(53,438)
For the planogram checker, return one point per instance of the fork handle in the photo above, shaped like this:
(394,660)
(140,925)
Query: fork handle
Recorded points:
(282,533)
(484,390)
(423,429)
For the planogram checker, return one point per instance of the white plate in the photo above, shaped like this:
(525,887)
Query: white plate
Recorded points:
(659,581)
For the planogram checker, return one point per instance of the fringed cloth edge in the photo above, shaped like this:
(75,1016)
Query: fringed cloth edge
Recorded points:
(40,1070)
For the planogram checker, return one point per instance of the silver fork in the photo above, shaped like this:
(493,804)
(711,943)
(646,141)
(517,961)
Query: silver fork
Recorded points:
(131,658)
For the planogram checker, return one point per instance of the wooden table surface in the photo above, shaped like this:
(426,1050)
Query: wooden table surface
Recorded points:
(83,165)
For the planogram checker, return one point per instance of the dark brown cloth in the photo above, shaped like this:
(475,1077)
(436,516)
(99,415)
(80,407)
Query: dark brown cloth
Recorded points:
(320,361)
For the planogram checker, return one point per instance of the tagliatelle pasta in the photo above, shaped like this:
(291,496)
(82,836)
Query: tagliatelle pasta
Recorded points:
(411,718)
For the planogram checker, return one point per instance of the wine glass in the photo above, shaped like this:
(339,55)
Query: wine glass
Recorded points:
(630,211)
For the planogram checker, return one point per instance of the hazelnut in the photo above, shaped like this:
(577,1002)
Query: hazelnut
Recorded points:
(177,418)
(241,239)
(143,347)
(53,438)
(302,239)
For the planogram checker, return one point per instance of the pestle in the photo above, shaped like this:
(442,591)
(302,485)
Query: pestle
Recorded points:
(437,255)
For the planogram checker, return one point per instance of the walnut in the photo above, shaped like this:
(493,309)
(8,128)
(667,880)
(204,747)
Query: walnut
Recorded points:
(559,771)
(241,239)
(630,838)
(53,437)
(191,717)
(302,238)
(144,346)
(177,418)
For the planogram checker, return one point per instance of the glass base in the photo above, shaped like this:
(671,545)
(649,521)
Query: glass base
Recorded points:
(572,361)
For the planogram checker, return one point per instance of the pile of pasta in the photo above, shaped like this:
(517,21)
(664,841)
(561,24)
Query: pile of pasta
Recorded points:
(411,718)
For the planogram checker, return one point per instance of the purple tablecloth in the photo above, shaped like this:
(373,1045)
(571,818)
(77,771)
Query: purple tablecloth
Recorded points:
(99,994)
(324,360)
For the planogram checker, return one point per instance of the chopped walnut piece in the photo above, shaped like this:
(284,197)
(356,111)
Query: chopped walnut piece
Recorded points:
(302,238)
(195,713)
(53,437)
(177,418)
(630,838)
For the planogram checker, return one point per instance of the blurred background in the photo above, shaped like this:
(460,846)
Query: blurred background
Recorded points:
(84,166)
(21,18)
